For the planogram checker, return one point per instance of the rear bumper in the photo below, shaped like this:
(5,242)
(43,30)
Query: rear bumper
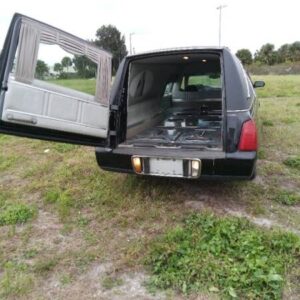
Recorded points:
(238,165)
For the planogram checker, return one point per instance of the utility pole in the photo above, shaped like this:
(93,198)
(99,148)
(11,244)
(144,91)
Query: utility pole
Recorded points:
(220,7)
(130,42)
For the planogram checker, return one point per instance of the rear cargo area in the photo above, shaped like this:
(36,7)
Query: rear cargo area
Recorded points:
(185,128)
(175,101)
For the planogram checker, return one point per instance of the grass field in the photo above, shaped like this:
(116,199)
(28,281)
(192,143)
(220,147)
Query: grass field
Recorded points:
(69,230)
(84,85)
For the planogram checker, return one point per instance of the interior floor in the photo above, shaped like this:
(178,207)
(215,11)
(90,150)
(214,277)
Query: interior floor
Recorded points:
(182,128)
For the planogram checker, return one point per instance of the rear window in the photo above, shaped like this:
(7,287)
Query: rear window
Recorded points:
(213,80)
(196,82)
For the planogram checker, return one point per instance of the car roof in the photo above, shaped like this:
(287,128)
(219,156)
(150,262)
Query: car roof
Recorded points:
(179,49)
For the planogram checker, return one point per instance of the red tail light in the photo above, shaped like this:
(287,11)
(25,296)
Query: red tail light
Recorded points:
(248,139)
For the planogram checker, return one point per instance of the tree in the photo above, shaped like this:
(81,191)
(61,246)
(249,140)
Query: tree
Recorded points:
(41,69)
(245,56)
(266,54)
(58,67)
(66,62)
(110,39)
(84,67)
(283,53)
(295,51)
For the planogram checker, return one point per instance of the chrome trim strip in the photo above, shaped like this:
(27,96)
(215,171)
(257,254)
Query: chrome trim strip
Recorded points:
(9,114)
(238,110)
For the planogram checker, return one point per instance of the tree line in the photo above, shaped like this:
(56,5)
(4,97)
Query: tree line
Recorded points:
(268,55)
(108,38)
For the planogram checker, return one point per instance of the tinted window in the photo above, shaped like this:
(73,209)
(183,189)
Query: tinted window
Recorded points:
(213,80)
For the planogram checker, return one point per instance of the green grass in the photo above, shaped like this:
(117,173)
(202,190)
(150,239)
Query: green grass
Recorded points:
(110,282)
(224,255)
(267,123)
(16,280)
(16,214)
(44,265)
(86,216)
(287,197)
(204,80)
(278,86)
(61,199)
(293,162)
(6,162)
(83,85)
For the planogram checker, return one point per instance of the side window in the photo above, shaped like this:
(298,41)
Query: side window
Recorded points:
(168,89)
(56,67)
(52,56)
(250,86)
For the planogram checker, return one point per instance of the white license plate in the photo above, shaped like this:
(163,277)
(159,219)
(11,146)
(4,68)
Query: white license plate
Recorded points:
(166,167)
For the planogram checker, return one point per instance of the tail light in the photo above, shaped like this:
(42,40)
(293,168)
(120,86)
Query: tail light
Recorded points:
(137,164)
(248,138)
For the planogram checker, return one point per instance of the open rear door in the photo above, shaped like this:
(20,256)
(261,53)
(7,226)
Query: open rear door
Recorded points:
(36,103)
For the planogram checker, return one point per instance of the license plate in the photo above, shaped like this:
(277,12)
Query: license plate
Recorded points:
(166,167)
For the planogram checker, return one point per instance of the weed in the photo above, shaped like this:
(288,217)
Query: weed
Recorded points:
(44,265)
(15,281)
(261,154)
(63,148)
(65,279)
(64,205)
(287,197)
(268,123)
(29,254)
(52,196)
(225,255)
(16,214)
(293,162)
(289,120)
(82,221)
(4,137)
(7,162)
(3,197)
(62,199)
(110,282)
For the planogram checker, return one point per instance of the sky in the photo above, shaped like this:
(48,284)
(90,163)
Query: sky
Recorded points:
(160,24)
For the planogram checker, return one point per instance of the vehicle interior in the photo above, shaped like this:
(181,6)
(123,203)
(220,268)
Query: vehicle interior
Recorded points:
(175,101)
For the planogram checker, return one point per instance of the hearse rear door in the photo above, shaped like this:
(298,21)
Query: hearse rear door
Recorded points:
(40,109)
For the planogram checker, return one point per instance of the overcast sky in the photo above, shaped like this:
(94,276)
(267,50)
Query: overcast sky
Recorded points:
(168,23)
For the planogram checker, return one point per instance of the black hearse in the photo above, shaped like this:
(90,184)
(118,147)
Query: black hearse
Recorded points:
(177,113)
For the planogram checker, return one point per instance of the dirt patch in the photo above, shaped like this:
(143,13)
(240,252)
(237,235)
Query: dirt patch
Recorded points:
(90,285)
(47,235)
(211,196)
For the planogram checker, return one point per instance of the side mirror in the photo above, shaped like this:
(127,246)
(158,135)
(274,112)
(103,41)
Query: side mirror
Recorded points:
(258,84)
